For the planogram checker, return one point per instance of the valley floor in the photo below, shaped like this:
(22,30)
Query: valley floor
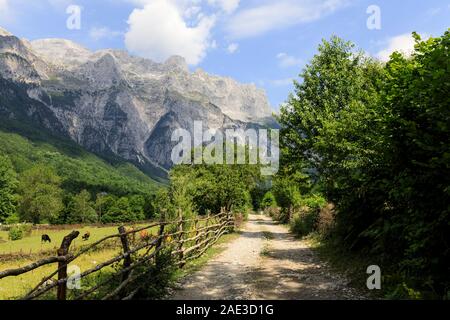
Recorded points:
(265,262)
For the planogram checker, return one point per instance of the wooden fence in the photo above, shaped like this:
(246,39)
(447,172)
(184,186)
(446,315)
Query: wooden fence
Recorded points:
(185,239)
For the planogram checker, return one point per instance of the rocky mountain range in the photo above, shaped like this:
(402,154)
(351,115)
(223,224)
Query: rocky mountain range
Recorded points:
(111,102)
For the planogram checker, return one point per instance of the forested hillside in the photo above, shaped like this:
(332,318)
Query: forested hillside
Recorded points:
(54,180)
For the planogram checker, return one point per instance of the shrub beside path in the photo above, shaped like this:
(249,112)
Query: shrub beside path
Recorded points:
(265,262)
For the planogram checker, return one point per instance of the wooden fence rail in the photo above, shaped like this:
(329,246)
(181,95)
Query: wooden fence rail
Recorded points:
(185,239)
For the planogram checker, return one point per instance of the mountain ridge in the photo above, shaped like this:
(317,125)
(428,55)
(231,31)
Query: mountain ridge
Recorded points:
(109,101)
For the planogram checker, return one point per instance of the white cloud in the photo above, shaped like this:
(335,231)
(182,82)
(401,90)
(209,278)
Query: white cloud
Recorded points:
(402,43)
(286,61)
(160,30)
(279,15)
(98,33)
(232,48)
(192,12)
(229,6)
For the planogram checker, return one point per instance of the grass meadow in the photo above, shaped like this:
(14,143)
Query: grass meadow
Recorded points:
(19,253)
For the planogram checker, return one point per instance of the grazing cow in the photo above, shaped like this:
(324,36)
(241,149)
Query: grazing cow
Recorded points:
(46,238)
(86,236)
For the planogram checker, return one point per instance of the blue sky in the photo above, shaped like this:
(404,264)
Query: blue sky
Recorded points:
(265,42)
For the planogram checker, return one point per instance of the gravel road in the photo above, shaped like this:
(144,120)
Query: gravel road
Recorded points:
(265,262)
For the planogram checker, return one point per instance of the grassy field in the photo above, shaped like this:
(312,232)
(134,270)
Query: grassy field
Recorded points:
(33,245)
(16,287)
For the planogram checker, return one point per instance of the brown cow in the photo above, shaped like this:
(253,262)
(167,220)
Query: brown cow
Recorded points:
(86,236)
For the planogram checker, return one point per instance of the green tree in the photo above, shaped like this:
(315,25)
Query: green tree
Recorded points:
(103,203)
(203,188)
(40,195)
(8,184)
(416,94)
(329,125)
(82,209)
(137,205)
(334,130)
(268,200)
(120,211)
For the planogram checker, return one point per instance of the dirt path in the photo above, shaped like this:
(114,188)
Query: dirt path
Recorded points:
(265,262)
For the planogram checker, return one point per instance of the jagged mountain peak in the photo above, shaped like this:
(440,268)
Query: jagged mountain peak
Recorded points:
(61,51)
(4,32)
(177,62)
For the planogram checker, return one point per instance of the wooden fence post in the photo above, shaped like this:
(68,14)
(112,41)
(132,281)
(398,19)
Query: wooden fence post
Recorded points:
(230,222)
(197,240)
(180,239)
(126,250)
(161,229)
(62,265)
(208,222)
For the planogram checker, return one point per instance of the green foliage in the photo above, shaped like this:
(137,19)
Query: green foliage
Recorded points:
(118,212)
(82,209)
(332,114)
(157,277)
(8,184)
(314,201)
(13,219)
(41,195)
(416,93)
(15,233)
(78,169)
(103,203)
(287,195)
(203,188)
(268,200)
(137,205)
(305,219)
(304,222)
(70,177)
(374,140)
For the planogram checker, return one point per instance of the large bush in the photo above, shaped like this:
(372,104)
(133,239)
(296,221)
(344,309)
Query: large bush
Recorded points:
(268,200)
(18,232)
(15,233)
